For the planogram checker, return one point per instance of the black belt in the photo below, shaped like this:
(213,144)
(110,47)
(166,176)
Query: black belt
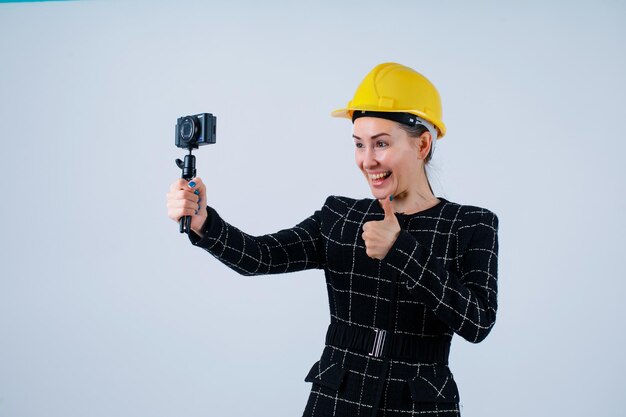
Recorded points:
(381,343)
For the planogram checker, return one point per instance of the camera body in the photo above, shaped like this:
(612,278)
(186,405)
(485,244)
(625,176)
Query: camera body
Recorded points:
(196,130)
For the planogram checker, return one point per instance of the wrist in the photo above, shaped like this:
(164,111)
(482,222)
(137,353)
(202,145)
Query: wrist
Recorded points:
(198,225)
(198,232)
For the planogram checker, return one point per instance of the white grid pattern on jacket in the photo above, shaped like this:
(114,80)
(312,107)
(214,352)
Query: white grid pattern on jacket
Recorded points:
(445,266)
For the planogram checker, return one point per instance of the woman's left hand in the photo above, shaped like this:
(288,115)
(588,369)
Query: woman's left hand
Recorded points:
(380,235)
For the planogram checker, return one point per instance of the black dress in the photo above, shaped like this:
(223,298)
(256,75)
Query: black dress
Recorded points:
(391,321)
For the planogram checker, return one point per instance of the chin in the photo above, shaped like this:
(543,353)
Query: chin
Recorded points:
(380,194)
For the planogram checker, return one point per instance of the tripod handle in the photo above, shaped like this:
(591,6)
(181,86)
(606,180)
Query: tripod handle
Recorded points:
(188,168)
(185,224)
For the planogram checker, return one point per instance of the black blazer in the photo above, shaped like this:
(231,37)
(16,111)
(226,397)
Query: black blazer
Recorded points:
(439,278)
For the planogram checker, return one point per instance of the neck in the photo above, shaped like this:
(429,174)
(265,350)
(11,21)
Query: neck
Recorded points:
(416,198)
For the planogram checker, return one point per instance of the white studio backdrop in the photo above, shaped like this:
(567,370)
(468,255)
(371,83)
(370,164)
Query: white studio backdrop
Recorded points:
(106,310)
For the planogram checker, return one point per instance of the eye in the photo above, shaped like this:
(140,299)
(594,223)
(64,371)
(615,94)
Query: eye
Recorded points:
(358,144)
(381,144)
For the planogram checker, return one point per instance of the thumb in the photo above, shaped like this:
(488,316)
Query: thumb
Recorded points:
(388,208)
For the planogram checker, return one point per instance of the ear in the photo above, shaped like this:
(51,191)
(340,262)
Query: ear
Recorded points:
(424,144)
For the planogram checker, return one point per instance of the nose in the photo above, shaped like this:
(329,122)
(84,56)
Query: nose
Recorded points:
(369,158)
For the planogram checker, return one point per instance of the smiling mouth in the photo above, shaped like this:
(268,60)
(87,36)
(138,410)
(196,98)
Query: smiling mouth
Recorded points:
(379,178)
(380,175)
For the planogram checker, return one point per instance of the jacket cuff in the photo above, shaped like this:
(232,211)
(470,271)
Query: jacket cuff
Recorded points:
(210,229)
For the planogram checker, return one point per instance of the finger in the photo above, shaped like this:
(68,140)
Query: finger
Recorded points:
(182,195)
(200,191)
(198,181)
(176,214)
(179,184)
(198,187)
(182,184)
(387,206)
(177,204)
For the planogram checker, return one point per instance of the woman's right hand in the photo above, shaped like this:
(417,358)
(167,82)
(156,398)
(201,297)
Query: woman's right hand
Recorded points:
(188,199)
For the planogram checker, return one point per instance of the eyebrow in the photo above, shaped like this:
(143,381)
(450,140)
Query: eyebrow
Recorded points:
(373,137)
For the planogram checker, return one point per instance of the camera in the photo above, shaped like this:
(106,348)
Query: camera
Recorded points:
(196,130)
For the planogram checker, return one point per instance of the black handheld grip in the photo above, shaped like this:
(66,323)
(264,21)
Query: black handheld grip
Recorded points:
(188,168)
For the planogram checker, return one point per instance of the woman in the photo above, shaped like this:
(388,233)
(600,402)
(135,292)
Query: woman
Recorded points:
(404,271)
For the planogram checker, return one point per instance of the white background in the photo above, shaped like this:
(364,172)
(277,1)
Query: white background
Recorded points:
(106,310)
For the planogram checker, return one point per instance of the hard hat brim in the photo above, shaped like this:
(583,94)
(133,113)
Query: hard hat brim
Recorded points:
(341,113)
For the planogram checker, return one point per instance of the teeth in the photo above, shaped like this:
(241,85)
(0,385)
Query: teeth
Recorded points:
(379,176)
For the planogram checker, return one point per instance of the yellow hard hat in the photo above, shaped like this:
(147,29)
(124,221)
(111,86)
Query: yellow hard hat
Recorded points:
(392,87)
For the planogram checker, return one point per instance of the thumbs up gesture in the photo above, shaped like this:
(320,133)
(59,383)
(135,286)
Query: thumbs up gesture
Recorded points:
(380,235)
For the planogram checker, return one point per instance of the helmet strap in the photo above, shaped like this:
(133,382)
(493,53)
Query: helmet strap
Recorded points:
(404,118)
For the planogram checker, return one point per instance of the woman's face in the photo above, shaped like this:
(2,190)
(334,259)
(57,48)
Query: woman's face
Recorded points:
(387,156)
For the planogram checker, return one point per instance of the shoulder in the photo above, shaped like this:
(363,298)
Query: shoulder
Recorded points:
(345,204)
(474,226)
(336,205)
(475,217)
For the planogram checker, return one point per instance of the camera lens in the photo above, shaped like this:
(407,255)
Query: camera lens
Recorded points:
(187,129)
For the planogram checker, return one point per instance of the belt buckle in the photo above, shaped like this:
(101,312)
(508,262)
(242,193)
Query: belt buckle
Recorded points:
(379,343)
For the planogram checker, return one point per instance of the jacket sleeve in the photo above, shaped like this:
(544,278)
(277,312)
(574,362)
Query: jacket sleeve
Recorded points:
(288,250)
(467,302)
